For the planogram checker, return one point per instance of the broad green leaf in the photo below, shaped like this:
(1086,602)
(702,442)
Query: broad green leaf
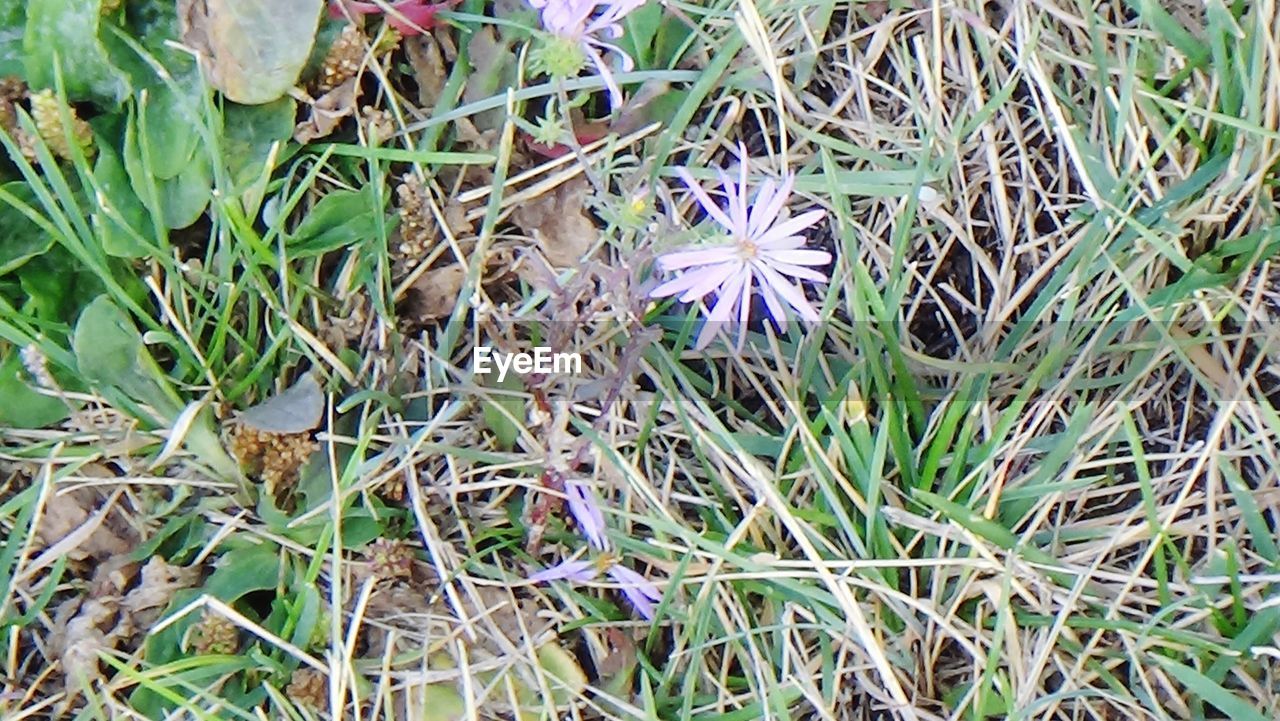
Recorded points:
(56,286)
(184,197)
(110,355)
(20,239)
(64,34)
(128,212)
(442,702)
(341,218)
(249,131)
(170,130)
(22,407)
(256,50)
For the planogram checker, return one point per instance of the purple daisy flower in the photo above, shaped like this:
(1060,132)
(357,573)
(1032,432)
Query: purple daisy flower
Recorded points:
(586,511)
(762,250)
(577,21)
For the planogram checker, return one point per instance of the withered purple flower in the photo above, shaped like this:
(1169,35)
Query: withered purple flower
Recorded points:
(586,511)
(761,250)
(642,593)
(580,570)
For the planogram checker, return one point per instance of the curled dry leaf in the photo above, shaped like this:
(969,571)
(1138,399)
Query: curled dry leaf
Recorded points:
(328,111)
(558,222)
(428,66)
(253,51)
(86,628)
(65,514)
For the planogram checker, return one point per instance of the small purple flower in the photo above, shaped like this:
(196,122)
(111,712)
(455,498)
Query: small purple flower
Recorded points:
(586,511)
(762,249)
(580,570)
(640,591)
(577,21)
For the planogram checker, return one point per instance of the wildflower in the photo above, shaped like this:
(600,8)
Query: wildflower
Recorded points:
(642,593)
(420,14)
(576,26)
(761,250)
(586,511)
(573,570)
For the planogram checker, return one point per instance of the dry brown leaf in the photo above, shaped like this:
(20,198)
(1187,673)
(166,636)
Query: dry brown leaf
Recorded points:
(428,66)
(160,581)
(328,111)
(65,514)
(435,292)
(93,630)
(559,224)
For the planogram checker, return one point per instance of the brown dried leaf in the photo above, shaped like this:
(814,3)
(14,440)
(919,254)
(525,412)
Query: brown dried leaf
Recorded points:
(328,111)
(435,292)
(559,224)
(66,514)
(93,630)
(428,68)
(159,582)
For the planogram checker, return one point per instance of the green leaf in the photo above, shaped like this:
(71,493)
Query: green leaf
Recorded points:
(243,570)
(56,286)
(184,197)
(110,355)
(64,34)
(341,218)
(256,49)
(170,128)
(13,23)
(20,239)
(249,131)
(128,217)
(501,413)
(22,407)
(1204,687)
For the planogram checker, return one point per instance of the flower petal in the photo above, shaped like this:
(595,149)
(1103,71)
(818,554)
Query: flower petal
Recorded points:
(764,196)
(765,213)
(797,271)
(798,256)
(681,259)
(723,309)
(580,570)
(708,280)
(791,226)
(705,200)
(772,304)
(640,591)
(793,295)
(586,511)
(790,242)
(737,204)
(615,92)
